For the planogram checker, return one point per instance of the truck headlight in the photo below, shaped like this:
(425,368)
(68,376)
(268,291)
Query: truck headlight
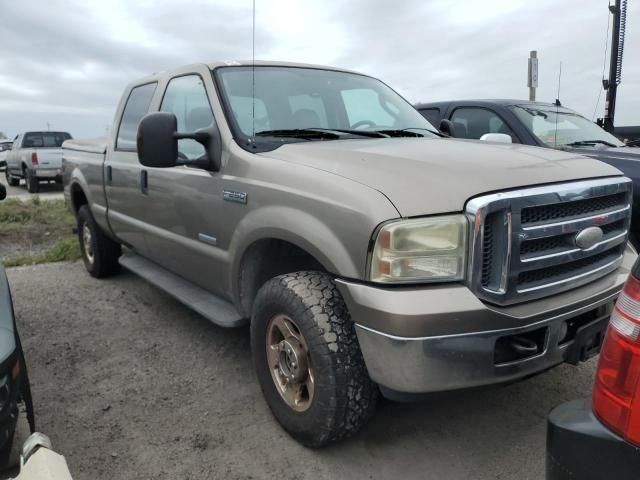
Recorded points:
(421,250)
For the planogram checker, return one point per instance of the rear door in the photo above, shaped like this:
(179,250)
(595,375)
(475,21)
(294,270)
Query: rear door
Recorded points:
(126,200)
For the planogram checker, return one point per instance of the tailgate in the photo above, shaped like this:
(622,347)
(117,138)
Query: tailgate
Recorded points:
(49,157)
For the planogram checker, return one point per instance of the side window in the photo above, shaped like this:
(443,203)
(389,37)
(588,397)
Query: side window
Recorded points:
(187,99)
(137,107)
(475,122)
(308,111)
(365,108)
(432,115)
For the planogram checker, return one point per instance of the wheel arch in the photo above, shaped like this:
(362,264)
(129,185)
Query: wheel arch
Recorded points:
(276,240)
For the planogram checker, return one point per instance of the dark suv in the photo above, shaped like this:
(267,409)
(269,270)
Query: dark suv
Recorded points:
(539,124)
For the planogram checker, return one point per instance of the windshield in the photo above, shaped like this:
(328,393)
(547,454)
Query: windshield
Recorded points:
(45,139)
(293,99)
(563,128)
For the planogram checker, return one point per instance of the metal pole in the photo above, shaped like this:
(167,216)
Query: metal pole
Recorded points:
(532,75)
(612,84)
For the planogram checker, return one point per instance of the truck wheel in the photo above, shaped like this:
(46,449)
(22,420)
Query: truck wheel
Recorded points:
(11,180)
(99,252)
(32,181)
(308,360)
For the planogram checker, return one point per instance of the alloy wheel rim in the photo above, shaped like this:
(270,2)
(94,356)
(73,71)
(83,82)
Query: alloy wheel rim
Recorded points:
(290,363)
(87,243)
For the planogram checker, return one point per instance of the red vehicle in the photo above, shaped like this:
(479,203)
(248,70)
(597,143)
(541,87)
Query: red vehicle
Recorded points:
(601,439)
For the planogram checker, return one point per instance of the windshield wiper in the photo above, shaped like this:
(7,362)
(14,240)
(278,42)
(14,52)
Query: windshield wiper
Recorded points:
(406,132)
(327,133)
(589,142)
(307,133)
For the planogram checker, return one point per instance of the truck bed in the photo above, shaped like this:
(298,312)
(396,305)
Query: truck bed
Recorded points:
(93,145)
(87,157)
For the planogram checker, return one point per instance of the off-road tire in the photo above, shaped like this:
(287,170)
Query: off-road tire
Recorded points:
(105,251)
(31,181)
(344,397)
(11,180)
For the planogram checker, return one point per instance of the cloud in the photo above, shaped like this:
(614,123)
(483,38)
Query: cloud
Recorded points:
(67,62)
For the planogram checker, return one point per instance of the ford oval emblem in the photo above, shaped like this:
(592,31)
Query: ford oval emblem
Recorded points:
(588,238)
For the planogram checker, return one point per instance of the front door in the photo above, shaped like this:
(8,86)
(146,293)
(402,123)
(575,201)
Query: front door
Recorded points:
(183,208)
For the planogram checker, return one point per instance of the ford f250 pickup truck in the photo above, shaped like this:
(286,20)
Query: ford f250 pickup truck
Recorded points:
(368,254)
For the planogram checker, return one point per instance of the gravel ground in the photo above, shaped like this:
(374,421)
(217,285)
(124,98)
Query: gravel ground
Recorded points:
(128,383)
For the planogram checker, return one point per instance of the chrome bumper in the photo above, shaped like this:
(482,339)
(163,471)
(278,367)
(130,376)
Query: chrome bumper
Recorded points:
(443,338)
(48,172)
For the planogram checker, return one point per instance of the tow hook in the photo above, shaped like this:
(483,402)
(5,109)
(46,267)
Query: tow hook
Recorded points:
(524,347)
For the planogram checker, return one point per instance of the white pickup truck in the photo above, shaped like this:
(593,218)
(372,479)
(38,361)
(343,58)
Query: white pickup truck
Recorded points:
(35,156)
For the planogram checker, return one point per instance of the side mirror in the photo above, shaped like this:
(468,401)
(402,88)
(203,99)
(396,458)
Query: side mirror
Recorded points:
(157,143)
(446,127)
(496,137)
(3,192)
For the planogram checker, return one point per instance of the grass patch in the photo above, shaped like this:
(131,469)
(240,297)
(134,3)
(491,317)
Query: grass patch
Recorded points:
(65,250)
(17,215)
(36,231)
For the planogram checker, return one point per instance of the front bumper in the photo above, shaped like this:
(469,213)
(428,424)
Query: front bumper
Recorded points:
(442,337)
(580,447)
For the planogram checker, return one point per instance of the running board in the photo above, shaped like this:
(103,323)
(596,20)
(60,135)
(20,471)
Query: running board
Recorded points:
(219,311)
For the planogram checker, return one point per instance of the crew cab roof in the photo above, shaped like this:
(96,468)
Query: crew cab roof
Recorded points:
(236,63)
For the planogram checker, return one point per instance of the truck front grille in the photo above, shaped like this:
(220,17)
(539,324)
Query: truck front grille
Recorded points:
(524,241)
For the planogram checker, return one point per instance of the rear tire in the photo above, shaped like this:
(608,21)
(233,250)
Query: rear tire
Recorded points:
(11,180)
(31,181)
(341,397)
(99,252)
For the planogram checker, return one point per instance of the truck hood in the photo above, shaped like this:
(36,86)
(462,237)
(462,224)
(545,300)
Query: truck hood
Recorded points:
(423,176)
(609,153)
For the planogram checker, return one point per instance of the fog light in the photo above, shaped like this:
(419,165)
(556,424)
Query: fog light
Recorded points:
(564,329)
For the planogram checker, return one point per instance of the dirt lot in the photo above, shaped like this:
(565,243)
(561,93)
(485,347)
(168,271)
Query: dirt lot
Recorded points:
(130,384)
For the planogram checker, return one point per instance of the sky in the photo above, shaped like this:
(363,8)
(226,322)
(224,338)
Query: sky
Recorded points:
(65,63)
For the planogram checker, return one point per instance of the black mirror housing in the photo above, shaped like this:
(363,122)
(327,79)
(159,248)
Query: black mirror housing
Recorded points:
(446,127)
(157,143)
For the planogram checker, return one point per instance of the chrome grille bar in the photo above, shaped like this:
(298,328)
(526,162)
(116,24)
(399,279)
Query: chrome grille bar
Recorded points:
(514,262)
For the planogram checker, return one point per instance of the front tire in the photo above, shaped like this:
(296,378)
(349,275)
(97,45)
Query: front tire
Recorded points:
(99,252)
(308,360)
(11,180)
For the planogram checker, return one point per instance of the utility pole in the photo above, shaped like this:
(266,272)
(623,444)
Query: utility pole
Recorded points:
(619,12)
(532,75)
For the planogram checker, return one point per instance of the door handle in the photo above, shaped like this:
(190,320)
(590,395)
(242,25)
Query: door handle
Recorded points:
(109,174)
(144,182)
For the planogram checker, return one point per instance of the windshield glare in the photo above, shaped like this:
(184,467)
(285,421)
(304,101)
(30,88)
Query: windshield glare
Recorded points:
(297,98)
(562,128)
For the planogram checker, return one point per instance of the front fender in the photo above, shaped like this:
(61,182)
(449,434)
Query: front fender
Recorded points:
(299,228)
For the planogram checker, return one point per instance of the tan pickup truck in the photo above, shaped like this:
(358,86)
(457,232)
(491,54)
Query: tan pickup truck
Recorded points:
(368,253)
